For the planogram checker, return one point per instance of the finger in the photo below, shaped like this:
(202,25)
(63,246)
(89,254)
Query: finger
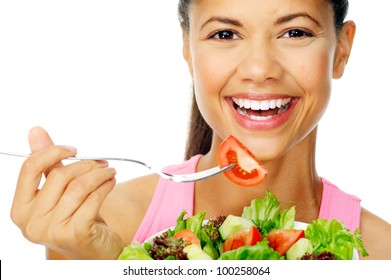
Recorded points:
(58,180)
(32,169)
(79,189)
(39,139)
(88,212)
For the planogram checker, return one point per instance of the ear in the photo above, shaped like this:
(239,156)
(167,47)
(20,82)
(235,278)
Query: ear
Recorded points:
(186,49)
(344,47)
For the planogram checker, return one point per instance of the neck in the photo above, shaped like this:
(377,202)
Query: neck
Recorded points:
(292,177)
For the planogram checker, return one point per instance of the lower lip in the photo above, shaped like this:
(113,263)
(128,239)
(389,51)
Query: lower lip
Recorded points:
(269,123)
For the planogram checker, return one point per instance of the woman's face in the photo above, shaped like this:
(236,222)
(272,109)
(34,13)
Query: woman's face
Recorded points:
(262,70)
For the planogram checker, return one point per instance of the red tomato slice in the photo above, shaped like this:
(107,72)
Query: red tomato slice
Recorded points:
(249,171)
(242,238)
(189,236)
(282,239)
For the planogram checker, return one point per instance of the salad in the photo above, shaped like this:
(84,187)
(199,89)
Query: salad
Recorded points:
(262,232)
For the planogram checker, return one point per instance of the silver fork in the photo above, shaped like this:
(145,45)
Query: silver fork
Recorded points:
(192,177)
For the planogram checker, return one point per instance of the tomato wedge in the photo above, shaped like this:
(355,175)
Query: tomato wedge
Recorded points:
(249,171)
(241,238)
(282,239)
(189,236)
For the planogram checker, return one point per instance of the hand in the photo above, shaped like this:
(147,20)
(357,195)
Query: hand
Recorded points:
(64,213)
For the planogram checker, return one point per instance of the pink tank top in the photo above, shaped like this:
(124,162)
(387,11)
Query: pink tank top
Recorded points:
(171,198)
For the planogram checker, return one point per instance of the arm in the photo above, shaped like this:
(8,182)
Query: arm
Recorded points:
(376,235)
(54,255)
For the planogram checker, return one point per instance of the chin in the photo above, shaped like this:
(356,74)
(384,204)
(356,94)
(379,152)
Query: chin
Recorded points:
(265,150)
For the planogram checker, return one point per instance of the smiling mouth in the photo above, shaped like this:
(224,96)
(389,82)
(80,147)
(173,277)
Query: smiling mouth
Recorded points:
(260,110)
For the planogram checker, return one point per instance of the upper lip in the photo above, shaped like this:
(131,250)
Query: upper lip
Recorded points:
(260,96)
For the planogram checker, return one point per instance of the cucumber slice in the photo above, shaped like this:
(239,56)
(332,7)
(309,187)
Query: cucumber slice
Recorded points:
(297,250)
(233,224)
(194,252)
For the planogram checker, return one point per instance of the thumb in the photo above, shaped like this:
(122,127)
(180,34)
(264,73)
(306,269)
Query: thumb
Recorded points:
(39,139)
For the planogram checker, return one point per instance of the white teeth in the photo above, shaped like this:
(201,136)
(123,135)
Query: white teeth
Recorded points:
(247,103)
(261,104)
(243,112)
(265,105)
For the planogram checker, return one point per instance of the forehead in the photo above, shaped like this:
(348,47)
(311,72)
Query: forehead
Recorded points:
(253,10)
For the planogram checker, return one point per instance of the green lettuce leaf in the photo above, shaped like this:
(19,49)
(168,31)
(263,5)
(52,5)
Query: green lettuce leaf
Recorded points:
(287,218)
(332,236)
(194,223)
(266,214)
(180,223)
(135,251)
(267,208)
(259,251)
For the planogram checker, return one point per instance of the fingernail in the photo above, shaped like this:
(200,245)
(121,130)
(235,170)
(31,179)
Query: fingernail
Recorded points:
(111,170)
(70,148)
(102,163)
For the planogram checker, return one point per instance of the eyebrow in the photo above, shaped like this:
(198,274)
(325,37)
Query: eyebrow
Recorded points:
(290,17)
(279,21)
(224,20)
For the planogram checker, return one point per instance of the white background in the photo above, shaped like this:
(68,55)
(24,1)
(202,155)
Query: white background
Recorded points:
(108,77)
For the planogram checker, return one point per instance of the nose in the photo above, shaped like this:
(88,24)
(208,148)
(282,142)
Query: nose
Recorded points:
(259,63)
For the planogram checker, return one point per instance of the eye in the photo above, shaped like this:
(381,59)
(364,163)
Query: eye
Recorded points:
(297,33)
(224,35)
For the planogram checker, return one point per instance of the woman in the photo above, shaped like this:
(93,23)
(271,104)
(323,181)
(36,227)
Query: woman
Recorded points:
(262,71)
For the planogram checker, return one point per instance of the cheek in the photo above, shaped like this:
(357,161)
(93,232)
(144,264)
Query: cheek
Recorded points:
(315,79)
(205,87)
(210,71)
(315,75)
(205,84)
(210,74)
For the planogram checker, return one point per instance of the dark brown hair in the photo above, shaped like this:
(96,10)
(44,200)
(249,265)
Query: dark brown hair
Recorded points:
(199,138)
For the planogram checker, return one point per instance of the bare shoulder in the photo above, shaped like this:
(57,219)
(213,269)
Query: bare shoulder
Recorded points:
(125,207)
(376,235)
